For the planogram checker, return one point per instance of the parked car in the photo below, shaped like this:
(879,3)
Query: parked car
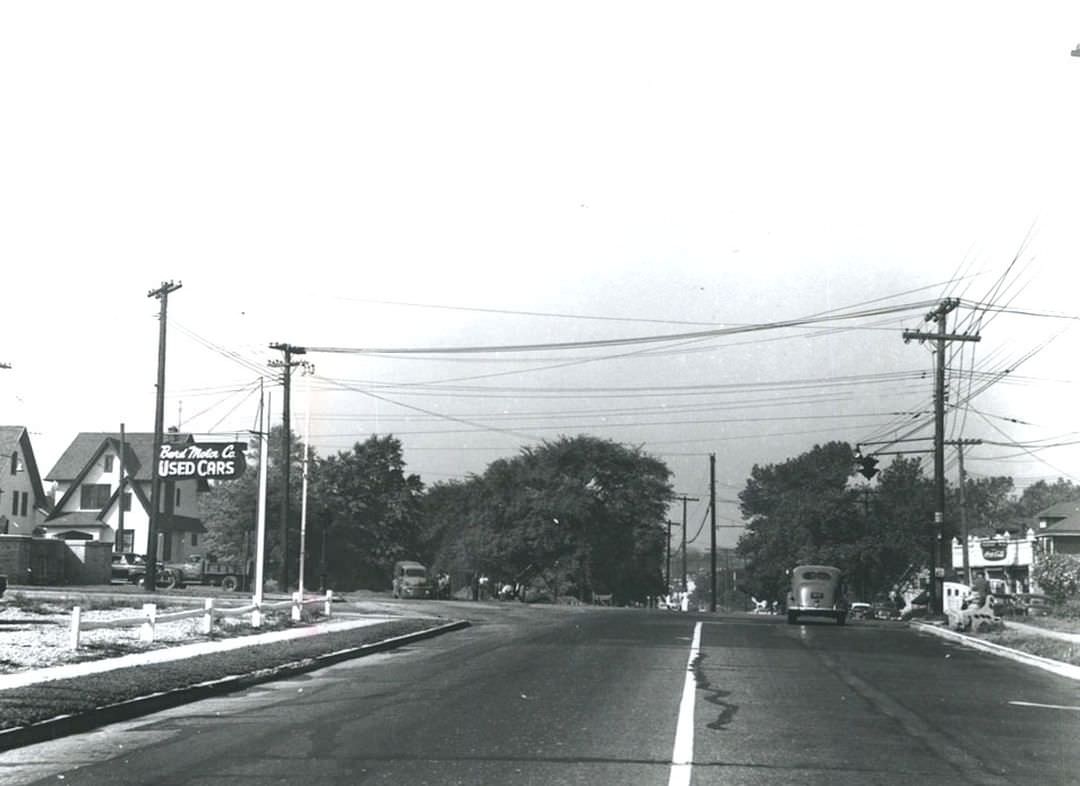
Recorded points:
(861,611)
(411,580)
(128,567)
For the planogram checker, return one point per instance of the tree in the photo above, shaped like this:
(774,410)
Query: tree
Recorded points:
(368,511)
(230,509)
(798,512)
(580,515)
(902,510)
(1041,495)
(806,510)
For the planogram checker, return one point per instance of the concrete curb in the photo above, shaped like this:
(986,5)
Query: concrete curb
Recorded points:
(1046,664)
(65,725)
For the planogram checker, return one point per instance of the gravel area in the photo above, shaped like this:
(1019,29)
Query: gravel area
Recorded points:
(37,635)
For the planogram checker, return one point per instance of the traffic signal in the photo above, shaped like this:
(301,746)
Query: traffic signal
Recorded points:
(867,466)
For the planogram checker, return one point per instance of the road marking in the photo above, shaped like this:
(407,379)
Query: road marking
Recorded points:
(1044,706)
(682,756)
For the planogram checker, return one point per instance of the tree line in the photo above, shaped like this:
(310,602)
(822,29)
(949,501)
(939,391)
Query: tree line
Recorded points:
(576,516)
(579,516)
(808,510)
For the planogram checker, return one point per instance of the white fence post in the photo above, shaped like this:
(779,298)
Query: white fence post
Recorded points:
(76,619)
(207,622)
(297,606)
(329,600)
(256,615)
(146,632)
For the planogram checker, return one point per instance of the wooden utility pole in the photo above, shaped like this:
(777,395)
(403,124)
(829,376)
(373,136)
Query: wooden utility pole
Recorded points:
(286,366)
(940,337)
(712,531)
(162,294)
(667,561)
(118,544)
(684,499)
(963,505)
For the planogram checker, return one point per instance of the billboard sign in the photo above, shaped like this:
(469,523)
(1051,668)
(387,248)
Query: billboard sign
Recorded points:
(203,460)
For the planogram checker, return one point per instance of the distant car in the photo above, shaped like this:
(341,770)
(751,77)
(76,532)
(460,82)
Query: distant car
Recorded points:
(128,567)
(861,611)
(411,580)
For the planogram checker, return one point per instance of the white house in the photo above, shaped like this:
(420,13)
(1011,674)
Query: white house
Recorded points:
(90,506)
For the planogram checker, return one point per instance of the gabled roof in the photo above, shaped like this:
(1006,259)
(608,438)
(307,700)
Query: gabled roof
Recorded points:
(88,445)
(1061,519)
(14,438)
(84,451)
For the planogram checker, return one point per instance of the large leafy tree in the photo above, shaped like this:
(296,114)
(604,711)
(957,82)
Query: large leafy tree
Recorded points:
(808,509)
(902,515)
(366,512)
(798,512)
(580,514)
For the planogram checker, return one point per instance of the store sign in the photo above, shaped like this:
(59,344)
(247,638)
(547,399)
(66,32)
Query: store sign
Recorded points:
(994,551)
(207,461)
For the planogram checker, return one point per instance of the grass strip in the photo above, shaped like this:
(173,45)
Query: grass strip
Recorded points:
(37,703)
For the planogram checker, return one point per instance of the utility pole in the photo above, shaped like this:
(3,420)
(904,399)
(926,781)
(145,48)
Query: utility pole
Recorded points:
(667,561)
(286,365)
(941,336)
(963,505)
(684,499)
(712,530)
(162,294)
(118,545)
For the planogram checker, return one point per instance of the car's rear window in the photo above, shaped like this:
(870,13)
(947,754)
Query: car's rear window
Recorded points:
(415,572)
(816,575)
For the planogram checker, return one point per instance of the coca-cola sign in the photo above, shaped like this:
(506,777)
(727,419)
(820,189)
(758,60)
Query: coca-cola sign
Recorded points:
(207,461)
(994,551)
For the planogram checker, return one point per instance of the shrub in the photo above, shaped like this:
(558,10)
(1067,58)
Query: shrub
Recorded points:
(1058,575)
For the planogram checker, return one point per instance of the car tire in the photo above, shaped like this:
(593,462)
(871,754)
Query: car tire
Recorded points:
(230,583)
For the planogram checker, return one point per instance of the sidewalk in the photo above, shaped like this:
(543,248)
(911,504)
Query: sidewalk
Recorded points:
(938,628)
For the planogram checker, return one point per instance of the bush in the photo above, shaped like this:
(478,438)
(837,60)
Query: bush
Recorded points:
(1058,575)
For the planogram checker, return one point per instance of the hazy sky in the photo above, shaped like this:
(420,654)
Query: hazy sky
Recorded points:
(407,175)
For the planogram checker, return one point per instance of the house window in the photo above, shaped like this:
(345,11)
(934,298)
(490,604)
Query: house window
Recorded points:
(166,554)
(14,503)
(125,501)
(16,463)
(129,541)
(25,498)
(194,539)
(95,496)
(109,463)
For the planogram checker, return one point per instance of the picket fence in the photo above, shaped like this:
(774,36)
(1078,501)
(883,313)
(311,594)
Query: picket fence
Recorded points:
(210,611)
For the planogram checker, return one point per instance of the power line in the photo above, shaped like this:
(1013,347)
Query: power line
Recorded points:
(598,343)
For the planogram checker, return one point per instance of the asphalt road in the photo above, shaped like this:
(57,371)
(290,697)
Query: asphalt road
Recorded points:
(541,695)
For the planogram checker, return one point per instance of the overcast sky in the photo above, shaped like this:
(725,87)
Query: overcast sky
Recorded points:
(451,175)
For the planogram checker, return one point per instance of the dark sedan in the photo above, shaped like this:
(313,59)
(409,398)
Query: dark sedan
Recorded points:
(128,567)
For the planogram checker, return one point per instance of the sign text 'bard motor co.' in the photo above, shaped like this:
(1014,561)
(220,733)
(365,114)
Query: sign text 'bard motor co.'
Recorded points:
(216,461)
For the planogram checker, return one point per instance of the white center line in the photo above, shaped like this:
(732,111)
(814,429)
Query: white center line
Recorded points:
(682,756)
(1044,706)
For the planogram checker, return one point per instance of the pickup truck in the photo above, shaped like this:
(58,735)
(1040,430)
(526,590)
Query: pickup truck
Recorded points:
(195,569)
